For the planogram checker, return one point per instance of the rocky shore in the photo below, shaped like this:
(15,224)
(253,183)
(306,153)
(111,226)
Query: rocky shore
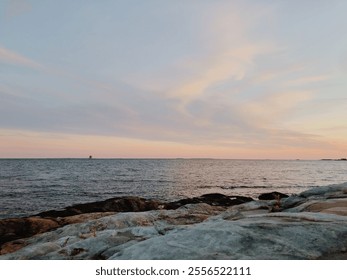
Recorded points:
(310,225)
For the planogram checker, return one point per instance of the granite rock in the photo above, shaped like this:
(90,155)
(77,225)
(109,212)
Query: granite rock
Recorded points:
(313,225)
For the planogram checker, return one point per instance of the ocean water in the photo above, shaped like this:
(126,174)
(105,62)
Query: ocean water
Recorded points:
(29,186)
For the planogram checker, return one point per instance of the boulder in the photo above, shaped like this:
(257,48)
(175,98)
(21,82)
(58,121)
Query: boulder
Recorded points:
(272,196)
(214,199)
(17,228)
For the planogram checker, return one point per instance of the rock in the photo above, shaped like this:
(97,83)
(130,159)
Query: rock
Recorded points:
(331,206)
(101,238)
(292,201)
(313,226)
(214,199)
(17,228)
(137,204)
(118,204)
(83,217)
(12,246)
(255,237)
(326,191)
(272,196)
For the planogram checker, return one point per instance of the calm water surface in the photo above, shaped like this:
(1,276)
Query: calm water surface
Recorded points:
(29,186)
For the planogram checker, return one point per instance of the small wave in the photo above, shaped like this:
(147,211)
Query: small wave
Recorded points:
(133,169)
(157,181)
(232,187)
(165,181)
(45,187)
(244,187)
(255,187)
(8,195)
(124,180)
(36,180)
(212,186)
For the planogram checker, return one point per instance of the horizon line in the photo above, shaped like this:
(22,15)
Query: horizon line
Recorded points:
(167,158)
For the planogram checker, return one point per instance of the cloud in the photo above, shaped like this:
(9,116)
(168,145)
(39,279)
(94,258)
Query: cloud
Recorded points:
(268,110)
(230,65)
(10,57)
(239,90)
(16,8)
(277,71)
(308,80)
(227,56)
(322,116)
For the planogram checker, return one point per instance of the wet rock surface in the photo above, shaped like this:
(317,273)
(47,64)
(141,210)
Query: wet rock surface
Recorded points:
(311,225)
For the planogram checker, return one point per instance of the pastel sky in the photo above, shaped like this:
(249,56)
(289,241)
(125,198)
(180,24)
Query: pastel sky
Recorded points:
(186,78)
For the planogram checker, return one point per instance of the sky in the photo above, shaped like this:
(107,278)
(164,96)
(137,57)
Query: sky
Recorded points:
(164,79)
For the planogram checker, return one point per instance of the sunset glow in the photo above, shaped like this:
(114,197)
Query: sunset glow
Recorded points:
(167,79)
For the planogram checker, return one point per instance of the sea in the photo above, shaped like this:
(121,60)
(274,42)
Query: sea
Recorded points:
(30,186)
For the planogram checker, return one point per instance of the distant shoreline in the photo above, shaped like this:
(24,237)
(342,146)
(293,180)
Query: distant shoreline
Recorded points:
(149,158)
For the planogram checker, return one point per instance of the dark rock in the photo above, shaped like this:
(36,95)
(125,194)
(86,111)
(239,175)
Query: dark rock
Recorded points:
(214,199)
(272,196)
(76,251)
(118,204)
(137,204)
(12,246)
(17,228)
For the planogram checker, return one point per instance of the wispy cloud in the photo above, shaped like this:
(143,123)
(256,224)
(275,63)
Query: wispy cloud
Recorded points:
(218,74)
(10,57)
(308,80)
(268,110)
(230,65)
